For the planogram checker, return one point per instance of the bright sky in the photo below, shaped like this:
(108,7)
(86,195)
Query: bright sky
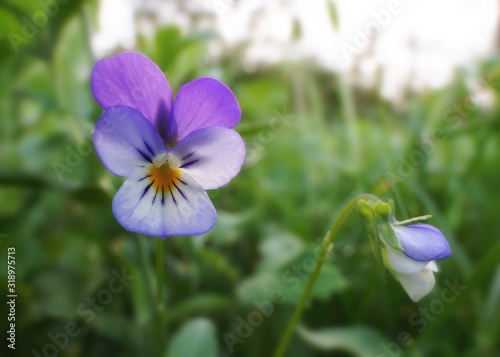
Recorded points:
(415,43)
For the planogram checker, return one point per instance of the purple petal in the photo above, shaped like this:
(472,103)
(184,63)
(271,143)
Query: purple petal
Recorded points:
(182,208)
(423,242)
(125,140)
(202,103)
(133,80)
(212,156)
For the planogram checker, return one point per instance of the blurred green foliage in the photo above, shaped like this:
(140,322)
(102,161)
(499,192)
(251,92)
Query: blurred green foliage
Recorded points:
(313,143)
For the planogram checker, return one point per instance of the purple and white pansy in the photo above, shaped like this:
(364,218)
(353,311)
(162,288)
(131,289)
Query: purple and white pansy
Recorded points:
(169,152)
(423,244)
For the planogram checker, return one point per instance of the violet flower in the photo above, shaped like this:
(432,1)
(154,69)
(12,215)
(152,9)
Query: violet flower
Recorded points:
(423,244)
(169,153)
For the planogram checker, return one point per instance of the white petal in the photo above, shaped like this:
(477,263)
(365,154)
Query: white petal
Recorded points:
(183,208)
(417,285)
(432,266)
(400,263)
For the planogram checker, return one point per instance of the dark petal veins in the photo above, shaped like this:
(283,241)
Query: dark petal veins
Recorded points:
(145,156)
(145,177)
(147,188)
(119,139)
(171,194)
(185,184)
(148,147)
(187,156)
(190,163)
(154,198)
(182,193)
(220,153)
(195,217)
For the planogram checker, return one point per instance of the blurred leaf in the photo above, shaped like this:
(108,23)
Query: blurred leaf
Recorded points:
(9,21)
(22,179)
(360,341)
(228,227)
(289,284)
(330,280)
(197,338)
(279,250)
(37,82)
(259,97)
(219,263)
(72,66)
(10,28)
(92,196)
(201,304)
(168,42)
(253,127)
(258,287)
(112,324)
(187,63)
(56,294)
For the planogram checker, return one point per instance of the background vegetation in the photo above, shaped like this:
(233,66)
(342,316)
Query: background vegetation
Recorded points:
(314,142)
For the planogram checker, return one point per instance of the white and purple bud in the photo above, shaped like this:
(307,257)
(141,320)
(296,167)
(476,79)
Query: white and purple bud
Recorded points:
(415,266)
(408,249)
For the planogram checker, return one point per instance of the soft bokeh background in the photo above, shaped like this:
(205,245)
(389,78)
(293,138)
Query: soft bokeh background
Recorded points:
(399,99)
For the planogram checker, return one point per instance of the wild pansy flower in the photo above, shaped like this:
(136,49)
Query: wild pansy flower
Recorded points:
(169,153)
(409,249)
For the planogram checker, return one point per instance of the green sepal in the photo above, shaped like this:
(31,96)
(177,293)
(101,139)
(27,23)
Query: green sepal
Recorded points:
(384,219)
(388,235)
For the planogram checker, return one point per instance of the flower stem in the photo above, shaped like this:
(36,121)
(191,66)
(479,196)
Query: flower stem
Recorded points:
(160,306)
(330,236)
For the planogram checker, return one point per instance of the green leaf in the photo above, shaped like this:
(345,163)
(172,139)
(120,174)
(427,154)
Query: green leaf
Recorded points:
(279,250)
(92,196)
(218,263)
(258,287)
(187,63)
(72,67)
(360,341)
(197,338)
(202,304)
(290,283)
(168,43)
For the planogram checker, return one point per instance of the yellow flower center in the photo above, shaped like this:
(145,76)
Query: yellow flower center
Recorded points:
(163,177)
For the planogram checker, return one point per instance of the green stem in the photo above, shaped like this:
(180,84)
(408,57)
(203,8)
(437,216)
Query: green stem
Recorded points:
(160,306)
(330,236)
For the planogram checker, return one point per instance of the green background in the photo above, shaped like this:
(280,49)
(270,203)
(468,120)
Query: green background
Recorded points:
(313,143)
